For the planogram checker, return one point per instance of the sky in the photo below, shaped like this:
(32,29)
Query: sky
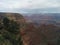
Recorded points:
(30,6)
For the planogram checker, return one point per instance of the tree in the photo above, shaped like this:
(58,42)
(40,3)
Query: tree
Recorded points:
(10,33)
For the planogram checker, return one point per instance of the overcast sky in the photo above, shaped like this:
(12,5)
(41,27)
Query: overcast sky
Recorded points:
(30,6)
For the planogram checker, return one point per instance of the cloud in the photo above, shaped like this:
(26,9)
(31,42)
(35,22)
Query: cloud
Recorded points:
(44,3)
(16,5)
(9,4)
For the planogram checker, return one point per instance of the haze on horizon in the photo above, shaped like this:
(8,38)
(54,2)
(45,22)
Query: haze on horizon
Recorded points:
(30,6)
